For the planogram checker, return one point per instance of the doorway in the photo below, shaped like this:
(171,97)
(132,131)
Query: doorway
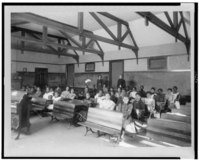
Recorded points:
(70,74)
(41,77)
(116,69)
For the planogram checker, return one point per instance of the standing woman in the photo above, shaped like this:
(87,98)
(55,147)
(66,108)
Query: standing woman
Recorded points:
(121,83)
(99,83)
(176,97)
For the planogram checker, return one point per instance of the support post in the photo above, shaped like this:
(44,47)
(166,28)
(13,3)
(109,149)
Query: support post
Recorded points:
(119,33)
(44,36)
(175,22)
(80,23)
(22,42)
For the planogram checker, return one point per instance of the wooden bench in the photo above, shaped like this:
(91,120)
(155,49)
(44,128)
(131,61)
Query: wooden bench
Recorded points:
(63,110)
(40,104)
(103,120)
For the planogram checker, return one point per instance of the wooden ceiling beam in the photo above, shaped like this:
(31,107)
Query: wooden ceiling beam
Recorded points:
(158,22)
(46,51)
(36,19)
(40,42)
(19,23)
(80,23)
(106,40)
(108,15)
(103,25)
(15,29)
(66,28)
(169,19)
(70,38)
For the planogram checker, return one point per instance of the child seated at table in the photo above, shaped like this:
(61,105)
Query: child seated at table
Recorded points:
(99,96)
(133,93)
(65,94)
(169,99)
(160,101)
(106,103)
(72,94)
(177,96)
(88,100)
(38,93)
(55,98)
(150,103)
(133,116)
(47,94)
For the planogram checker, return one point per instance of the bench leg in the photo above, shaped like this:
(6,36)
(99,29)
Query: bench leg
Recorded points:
(98,134)
(28,128)
(18,134)
(88,129)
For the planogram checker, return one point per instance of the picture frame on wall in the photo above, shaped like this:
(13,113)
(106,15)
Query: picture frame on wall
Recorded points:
(156,63)
(90,67)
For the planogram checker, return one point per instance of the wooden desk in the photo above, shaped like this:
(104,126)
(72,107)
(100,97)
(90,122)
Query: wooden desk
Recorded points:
(68,109)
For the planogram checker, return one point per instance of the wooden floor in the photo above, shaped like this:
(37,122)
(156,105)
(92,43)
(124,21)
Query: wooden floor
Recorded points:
(58,139)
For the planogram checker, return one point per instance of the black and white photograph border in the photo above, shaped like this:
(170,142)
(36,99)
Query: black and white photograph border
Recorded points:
(132,46)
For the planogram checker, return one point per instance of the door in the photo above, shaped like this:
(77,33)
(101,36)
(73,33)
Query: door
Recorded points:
(70,74)
(41,77)
(116,69)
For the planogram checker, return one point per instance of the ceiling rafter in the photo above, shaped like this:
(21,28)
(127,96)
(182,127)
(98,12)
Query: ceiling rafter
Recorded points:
(32,18)
(40,42)
(103,25)
(70,38)
(119,39)
(19,23)
(172,31)
(39,38)
(41,50)
(108,15)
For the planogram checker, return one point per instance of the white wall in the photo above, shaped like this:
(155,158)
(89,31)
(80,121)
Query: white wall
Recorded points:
(31,67)
(131,65)
(32,60)
(176,52)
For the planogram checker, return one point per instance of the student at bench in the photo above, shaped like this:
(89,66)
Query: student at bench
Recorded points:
(169,99)
(89,101)
(150,103)
(106,103)
(38,93)
(72,94)
(177,96)
(99,96)
(126,110)
(47,94)
(55,98)
(66,93)
(133,116)
(138,111)
(160,100)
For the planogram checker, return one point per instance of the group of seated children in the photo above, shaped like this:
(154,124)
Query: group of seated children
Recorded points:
(136,106)
(111,100)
